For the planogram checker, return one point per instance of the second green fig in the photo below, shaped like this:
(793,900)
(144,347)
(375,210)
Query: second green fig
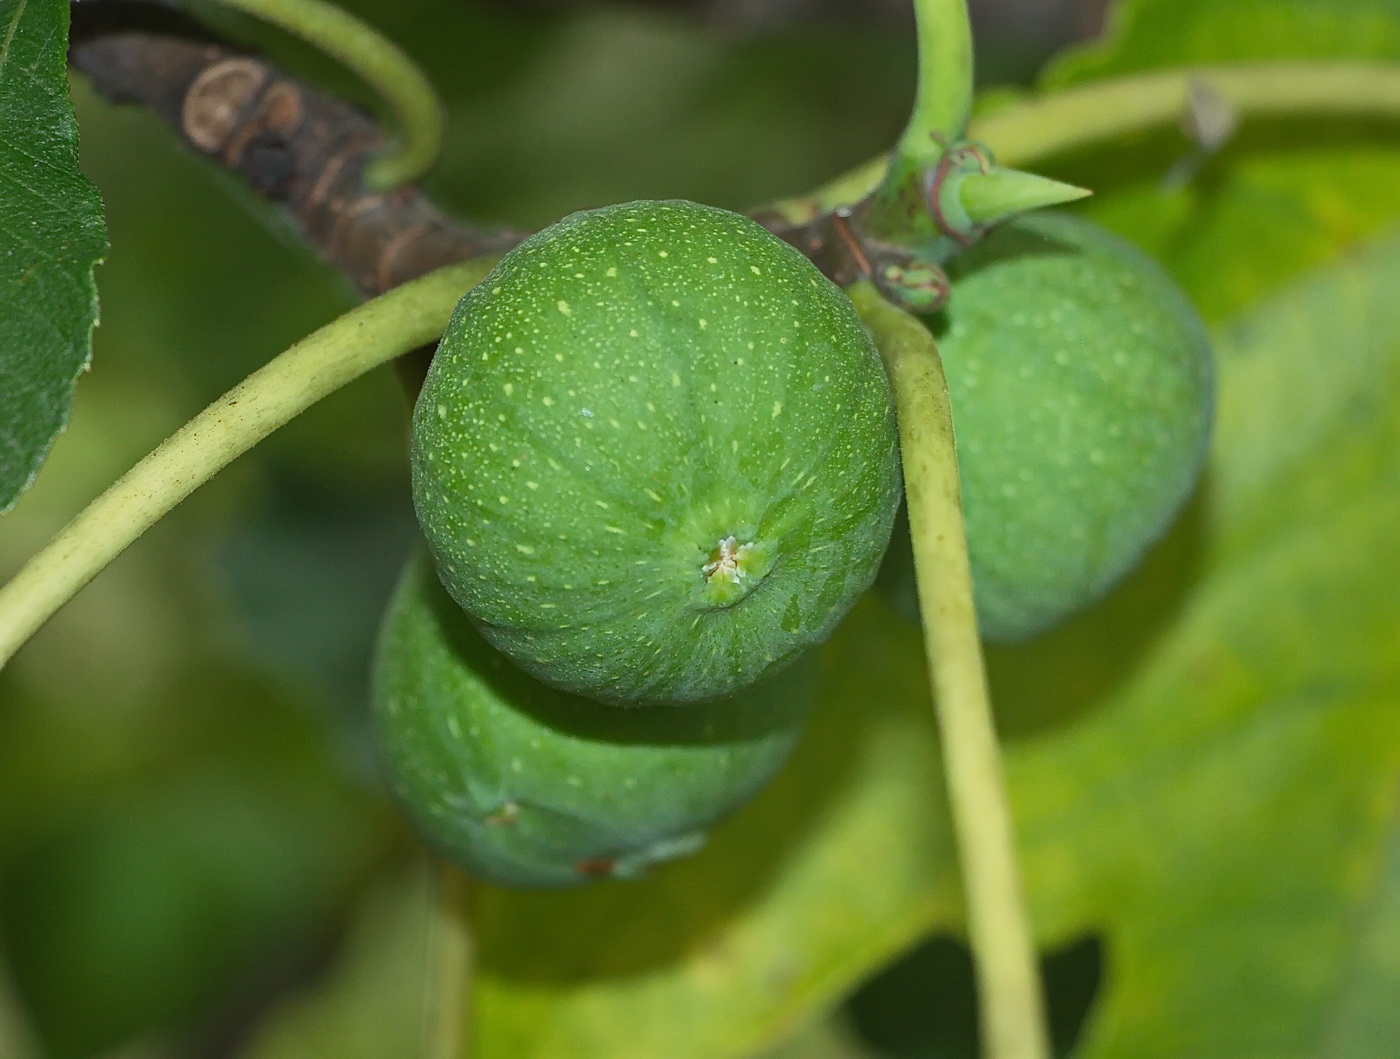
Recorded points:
(1081,385)
(530,786)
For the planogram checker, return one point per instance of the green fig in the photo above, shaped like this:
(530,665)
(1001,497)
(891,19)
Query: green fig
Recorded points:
(655,455)
(1081,385)
(529,786)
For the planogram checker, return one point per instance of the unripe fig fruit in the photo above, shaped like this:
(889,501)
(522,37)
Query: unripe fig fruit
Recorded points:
(1081,386)
(655,455)
(530,786)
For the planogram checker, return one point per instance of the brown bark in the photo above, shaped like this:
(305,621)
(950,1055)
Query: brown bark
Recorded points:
(300,149)
(304,151)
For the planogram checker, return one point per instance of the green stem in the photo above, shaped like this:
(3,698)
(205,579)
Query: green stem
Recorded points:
(1077,118)
(382,66)
(1081,117)
(447,992)
(943,99)
(897,212)
(409,316)
(1008,980)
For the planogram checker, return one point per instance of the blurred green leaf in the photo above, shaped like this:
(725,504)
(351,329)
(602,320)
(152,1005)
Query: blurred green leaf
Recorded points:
(1224,816)
(16,1036)
(51,237)
(373,1005)
(616,103)
(825,1038)
(308,573)
(1307,412)
(150,877)
(1284,195)
(1147,34)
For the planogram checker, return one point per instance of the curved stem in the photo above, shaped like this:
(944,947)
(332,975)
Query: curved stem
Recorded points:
(1076,118)
(1080,117)
(898,212)
(1008,979)
(943,99)
(381,64)
(377,331)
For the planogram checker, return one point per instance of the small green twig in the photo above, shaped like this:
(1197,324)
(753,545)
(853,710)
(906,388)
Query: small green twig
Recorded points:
(1078,118)
(382,65)
(894,226)
(377,331)
(1012,1008)
(943,99)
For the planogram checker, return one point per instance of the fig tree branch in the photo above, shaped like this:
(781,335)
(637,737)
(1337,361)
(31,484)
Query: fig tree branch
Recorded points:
(300,149)
(402,87)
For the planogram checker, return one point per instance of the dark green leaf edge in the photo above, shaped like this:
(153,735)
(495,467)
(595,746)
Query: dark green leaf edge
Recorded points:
(48,297)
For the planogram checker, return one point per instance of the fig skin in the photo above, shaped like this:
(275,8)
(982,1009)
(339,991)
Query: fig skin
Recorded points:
(655,456)
(529,786)
(1082,392)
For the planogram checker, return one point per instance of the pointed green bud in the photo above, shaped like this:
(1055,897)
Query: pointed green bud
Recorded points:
(1000,194)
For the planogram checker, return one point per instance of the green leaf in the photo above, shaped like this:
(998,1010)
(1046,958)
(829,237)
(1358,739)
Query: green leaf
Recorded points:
(1224,816)
(1284,195)
(152,853)
(372,1004)
(16,1036)
(51,236)
(1307,415)
(1366,1019)
(1148,34)
(1265,212)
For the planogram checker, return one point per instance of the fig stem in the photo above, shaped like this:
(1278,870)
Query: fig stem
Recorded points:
(1012,1009)
(897,210)
(382,65)
(1080,117)
(449,969)
(943,98)
(405,318)
(1077,118)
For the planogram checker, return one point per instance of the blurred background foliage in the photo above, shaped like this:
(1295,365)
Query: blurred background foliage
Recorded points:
(192,834)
